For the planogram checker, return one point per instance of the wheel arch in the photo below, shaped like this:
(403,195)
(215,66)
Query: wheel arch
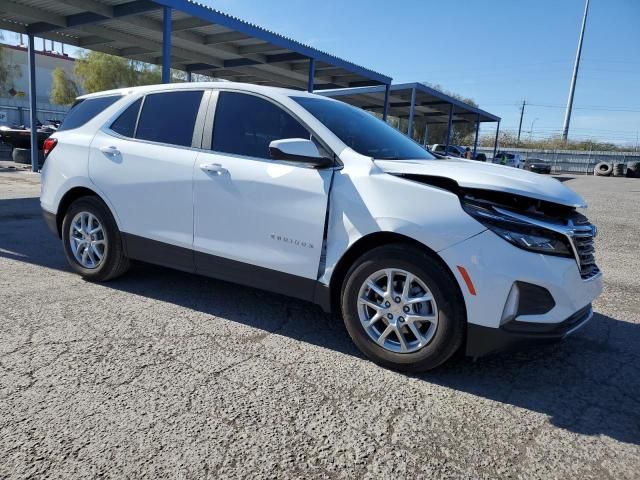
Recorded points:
(369,242)
(72,195)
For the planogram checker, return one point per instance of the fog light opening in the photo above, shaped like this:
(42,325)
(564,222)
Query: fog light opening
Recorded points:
(511,305)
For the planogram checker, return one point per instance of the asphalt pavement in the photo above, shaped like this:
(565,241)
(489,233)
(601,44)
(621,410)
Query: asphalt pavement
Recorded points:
(166,374)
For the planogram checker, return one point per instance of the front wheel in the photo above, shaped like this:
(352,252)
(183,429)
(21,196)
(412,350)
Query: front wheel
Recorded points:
(91,240)
(403,308)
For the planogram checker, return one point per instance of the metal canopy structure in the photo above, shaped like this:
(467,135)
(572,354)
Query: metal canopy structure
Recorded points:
(183,35)
(416,100)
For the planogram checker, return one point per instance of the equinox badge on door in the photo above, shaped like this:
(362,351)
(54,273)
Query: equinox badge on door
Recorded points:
(291,241)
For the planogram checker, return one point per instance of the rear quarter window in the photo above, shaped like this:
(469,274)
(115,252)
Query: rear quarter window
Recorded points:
(169,117)
(85,109)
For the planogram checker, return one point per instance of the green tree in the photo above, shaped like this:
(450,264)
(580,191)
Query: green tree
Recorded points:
(63,89)
(100,71)
(7,73)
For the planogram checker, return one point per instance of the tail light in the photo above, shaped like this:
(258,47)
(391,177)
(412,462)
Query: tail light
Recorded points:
(49,145)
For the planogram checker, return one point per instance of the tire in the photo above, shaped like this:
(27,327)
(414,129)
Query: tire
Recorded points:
(113,262)
(481,157)
(603,169)
(633,170)
(23,155)
(618,170)
(448,304)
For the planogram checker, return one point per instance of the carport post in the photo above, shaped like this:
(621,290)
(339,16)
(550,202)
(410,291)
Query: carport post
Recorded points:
(475,141)
(495,143)
(386,102)
(446,146)
(189,77)
(412,109)
(166,45)
(312,74)
(32,102)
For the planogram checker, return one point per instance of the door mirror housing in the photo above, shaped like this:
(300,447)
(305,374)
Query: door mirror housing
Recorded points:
(298,150)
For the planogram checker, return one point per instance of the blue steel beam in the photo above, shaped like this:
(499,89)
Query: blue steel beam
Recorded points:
(31,54)
(166,45)
(312,74)
(412,109)
(87,18)
(445,99)
(475,140)
(200,67)
(386,102)
(495,143)
(446,147)
(232,23)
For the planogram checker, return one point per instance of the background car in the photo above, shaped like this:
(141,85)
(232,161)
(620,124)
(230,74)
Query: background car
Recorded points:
(537,165)
(510,159)
(451,150)
(454,151)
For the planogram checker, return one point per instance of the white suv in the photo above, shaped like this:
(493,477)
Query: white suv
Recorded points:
(310,197)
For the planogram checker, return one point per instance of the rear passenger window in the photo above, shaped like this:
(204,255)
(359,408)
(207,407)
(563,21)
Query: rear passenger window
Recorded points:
(246,124)
(169,117)
(125,124)
(85,109)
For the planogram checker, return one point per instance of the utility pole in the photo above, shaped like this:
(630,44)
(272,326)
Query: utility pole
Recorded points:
(524,102)
(572,89)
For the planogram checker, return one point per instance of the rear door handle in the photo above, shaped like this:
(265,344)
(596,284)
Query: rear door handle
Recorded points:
(213,168)
(110,150)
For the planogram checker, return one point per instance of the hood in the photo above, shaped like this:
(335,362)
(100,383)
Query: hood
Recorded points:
(488,176)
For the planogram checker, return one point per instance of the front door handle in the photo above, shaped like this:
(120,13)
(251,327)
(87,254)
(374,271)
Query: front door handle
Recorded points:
(213,168)
(110,150)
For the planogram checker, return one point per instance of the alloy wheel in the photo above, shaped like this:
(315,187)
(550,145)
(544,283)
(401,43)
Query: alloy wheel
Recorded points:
(397,310)
(87,240)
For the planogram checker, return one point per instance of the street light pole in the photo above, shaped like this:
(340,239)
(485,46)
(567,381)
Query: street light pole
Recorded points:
(572,89)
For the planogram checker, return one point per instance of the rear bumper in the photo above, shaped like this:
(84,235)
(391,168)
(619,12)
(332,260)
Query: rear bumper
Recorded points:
(513,335)
(51,221)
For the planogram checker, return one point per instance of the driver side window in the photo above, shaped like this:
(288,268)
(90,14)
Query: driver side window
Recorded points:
(246,124)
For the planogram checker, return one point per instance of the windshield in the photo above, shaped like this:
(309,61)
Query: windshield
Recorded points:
(363,132)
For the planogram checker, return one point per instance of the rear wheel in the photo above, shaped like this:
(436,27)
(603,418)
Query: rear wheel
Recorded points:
(92,242)
(403,309)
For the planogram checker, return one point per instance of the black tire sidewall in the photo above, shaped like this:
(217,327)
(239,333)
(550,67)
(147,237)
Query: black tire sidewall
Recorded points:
(97,208)
(451,312)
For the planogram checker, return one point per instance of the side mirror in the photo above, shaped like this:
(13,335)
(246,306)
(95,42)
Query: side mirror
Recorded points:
(298,150)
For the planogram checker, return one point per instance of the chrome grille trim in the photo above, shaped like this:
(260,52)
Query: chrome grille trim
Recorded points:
(579,232)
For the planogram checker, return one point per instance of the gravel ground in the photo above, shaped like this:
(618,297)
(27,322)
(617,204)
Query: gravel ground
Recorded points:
(165,374)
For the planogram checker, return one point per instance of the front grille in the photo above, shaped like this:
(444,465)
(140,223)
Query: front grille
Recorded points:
(582,236)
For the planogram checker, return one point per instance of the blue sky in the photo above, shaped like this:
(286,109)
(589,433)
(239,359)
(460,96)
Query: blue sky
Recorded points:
(498,52)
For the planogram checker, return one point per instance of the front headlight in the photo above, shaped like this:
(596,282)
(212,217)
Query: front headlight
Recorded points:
(520,233)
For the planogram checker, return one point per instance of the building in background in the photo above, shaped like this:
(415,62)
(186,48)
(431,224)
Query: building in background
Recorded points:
(14,97)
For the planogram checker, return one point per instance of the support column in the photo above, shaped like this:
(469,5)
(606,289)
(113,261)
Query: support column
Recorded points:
(449,123)
(312,74)
(495,143)
(31,60)
(166,45)
(412,109)
(475,141)
(189,77)
(385,111)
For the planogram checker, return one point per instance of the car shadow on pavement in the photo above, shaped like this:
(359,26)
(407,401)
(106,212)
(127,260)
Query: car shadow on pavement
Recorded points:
(588,384)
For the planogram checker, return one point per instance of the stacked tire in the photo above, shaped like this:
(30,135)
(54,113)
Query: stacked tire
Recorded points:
(603,169)
(633,170)
(618,170)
